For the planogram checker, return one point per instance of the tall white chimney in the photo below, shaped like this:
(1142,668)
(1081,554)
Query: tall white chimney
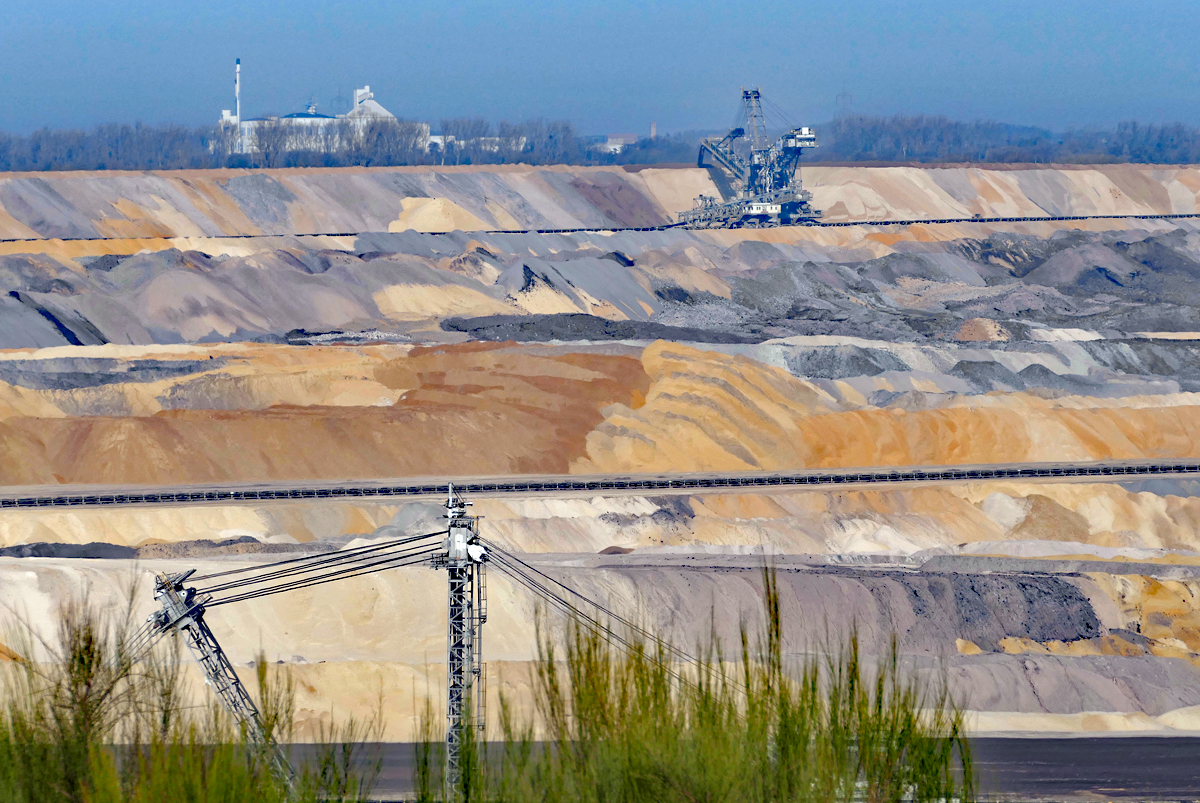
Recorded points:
(237,99)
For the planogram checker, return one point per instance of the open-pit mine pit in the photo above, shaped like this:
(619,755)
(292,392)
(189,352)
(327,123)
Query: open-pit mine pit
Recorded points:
(330,325)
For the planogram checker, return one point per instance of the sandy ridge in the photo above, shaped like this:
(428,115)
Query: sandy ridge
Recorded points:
(320,200)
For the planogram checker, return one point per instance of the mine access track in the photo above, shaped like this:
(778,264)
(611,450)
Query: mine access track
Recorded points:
(602,485)
(602,230)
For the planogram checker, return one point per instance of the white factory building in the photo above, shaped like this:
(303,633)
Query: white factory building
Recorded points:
(308,123)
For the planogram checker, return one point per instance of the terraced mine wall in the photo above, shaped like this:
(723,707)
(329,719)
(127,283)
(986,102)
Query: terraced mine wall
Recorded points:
(205,337)
(350,200)
(317,201)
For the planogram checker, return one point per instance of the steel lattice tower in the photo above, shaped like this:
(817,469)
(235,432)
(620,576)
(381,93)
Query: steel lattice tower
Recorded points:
(756,126)
(467,601)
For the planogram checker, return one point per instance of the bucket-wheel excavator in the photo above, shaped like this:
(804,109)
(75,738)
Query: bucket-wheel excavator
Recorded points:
(763,184)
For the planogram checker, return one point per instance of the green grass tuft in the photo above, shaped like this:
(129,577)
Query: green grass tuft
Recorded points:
(87,725)
(630,725)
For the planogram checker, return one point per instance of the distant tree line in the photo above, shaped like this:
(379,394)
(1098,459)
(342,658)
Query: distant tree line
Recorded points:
(938,139)
(854,138)
(278,143)
(340,143)
(116,147)
(472,141)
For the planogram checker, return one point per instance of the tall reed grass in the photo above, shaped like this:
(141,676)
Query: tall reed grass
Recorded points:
(87,724)
(614,722)
(633,724)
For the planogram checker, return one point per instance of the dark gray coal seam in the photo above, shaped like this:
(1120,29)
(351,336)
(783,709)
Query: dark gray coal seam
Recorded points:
(1030,471)
(817,224)
(62,328)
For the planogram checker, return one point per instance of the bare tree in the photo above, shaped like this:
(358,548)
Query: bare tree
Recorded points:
(221,141)
(271,140)
(466,139)
(386,142)
(513,140)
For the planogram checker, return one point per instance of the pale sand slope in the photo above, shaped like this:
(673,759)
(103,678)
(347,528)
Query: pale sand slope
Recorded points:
(381,633)
(225,202)
(333,201)
(914,192)
(888,522)
(131,527)
(242,376)
(1040,520)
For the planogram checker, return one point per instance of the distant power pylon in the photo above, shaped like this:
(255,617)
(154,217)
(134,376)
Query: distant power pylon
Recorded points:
(844,104)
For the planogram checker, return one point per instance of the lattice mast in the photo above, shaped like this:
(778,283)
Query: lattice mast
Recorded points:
(756,134)
(467,606)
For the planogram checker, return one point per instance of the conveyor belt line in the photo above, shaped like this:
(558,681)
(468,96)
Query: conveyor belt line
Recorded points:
(817,479)
(584,230)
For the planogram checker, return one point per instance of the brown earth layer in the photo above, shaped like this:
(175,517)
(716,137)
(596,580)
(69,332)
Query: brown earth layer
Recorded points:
(505,409)
(470,409)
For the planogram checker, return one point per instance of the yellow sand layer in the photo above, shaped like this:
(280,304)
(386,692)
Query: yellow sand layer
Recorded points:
(707,411)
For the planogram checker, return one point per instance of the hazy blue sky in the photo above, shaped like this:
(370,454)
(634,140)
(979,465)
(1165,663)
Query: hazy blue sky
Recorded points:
(607,66)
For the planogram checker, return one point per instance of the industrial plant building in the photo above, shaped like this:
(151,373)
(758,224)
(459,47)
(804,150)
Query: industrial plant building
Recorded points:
(306,127)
